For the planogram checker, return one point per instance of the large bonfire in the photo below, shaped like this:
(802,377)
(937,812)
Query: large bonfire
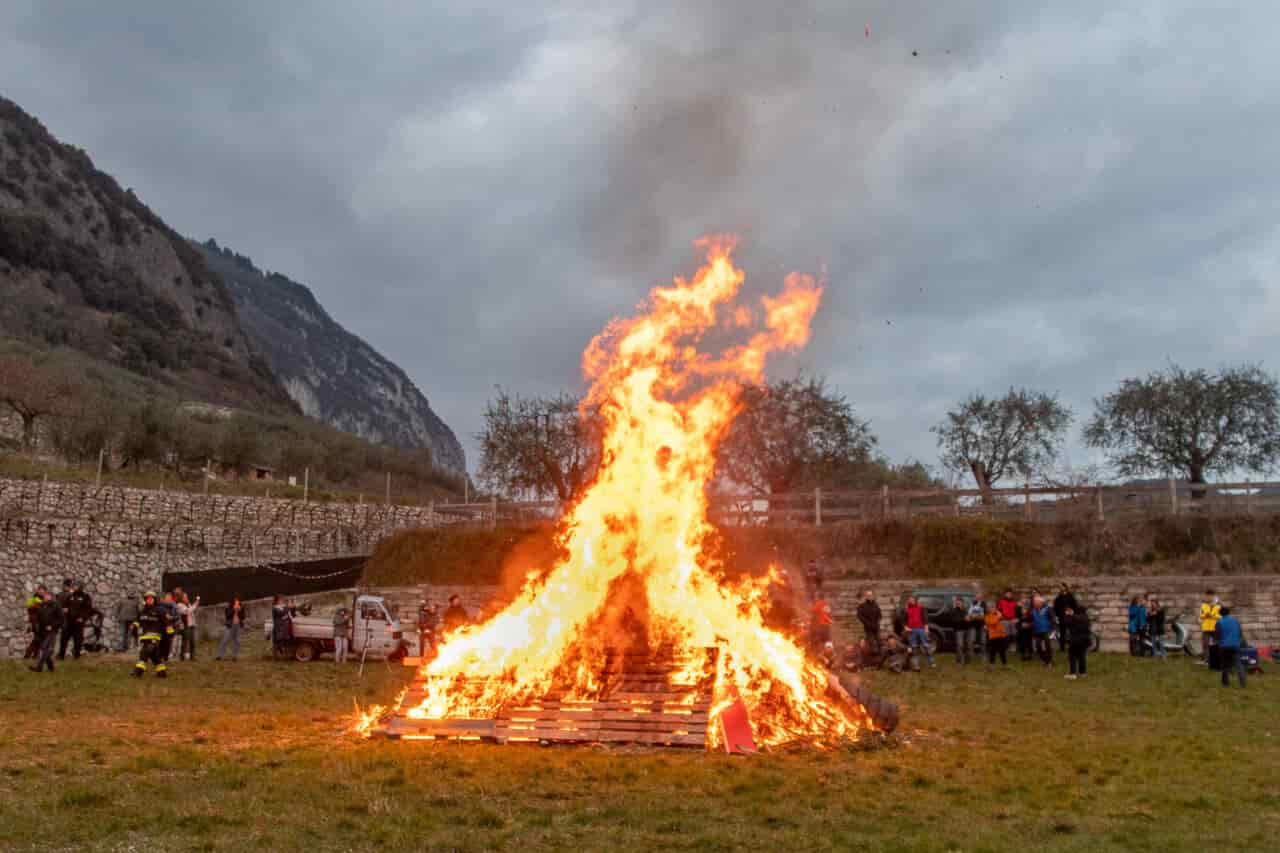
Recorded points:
(636,563)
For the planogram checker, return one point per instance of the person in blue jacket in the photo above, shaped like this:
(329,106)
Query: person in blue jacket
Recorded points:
(1137,625)
(1042,622)
(1230,640)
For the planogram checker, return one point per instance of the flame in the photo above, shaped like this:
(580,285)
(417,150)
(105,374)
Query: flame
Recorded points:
(632,545)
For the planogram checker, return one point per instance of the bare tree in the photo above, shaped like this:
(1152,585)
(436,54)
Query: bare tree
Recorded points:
(793,434)
(991,438)
(35,391)
(539,445)
(1190,421)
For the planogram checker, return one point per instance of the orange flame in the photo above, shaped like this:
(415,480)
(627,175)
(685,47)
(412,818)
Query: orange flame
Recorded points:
(634,539)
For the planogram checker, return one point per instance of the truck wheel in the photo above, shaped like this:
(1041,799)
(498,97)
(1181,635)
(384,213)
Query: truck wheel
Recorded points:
(304,653)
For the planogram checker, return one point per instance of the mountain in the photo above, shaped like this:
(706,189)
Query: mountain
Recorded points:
(330,373)
(86,266)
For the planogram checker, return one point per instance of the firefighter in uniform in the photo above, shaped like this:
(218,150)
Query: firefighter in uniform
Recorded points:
(154,625)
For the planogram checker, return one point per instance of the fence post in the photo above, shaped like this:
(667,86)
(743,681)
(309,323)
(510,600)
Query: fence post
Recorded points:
(884,500)
(1248,498)
(306,484)
(388,488)
(817,507)
(97,481)
(1026,500)
(1173,497)
(493,509)
(1098,501)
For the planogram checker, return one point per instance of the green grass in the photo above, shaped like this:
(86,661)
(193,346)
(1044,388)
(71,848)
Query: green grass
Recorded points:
(1142,756)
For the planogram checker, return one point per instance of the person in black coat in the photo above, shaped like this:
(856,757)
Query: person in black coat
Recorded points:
(78,607)
(49,618)
(869,616)
(1081,632)
(1065,600)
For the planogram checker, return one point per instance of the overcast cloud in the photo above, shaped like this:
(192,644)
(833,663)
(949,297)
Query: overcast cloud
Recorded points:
(1056,195)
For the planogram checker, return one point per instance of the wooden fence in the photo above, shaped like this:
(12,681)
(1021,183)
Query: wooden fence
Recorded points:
(1032,503)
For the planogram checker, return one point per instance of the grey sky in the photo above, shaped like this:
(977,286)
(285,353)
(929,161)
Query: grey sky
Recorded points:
(1042,195)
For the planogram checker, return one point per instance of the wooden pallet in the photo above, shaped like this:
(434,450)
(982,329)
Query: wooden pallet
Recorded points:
(639,704)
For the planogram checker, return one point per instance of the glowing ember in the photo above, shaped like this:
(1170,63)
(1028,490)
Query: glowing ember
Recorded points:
(634,572)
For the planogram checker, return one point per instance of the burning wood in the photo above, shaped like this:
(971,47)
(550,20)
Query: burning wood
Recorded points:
(634,575)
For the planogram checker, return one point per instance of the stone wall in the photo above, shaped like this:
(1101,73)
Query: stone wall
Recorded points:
(122,540)
(1255,599)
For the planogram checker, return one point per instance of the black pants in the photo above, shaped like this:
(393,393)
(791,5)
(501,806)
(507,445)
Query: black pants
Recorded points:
(73,633)
(1062,638)
(995,647)
(151,652)
(33,647)
(873,640)
(1024,643)
(1044,648)
(45,653)
(1231,661)
(165,646)
(1078,655)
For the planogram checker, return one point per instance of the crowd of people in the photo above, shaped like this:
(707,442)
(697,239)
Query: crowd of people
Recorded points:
(163,629)
(1031,625)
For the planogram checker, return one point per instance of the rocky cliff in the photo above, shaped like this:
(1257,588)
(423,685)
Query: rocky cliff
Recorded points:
(332,374)
(85,265)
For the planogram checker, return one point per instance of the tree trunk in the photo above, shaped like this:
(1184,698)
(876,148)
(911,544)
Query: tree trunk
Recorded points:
(1197,479)
(983,479)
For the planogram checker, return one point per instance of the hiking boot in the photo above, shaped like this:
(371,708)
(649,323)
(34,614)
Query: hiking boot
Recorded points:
(162,674)
(34,668)
(137,673)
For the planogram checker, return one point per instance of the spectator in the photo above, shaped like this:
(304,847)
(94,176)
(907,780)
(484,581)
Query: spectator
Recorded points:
(126,613)
(428,621)
(828,655)
(820,623)
(1025,650)
(975,626)
(1080,631)
(1210,612)
(48,620)
(1042,625)
(33,605)
(815,575)
(168,604)
(341,631)
(1137,625)
(1065,600)
(232,625)
(188,626)
(854,656)
(281,625)
(869,616)
(77,608)
(1229,638)
(455,615)
(1007,607)
(997,637)
(896,656)
(918,636)
(1156,618)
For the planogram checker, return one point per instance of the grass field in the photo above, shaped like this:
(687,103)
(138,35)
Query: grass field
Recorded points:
(250,756)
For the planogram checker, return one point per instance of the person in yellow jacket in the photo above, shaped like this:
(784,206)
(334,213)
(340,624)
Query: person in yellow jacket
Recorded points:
(154,625)
(1210,613)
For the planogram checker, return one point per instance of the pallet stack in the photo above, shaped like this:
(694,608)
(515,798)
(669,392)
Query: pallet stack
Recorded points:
(646,697)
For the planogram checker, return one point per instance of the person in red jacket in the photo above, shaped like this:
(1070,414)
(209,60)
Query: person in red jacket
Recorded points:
(918,634)
(1007,606)
(820,623)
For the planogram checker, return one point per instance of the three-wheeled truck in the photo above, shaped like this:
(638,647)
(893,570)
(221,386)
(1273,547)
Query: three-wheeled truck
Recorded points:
(372,626)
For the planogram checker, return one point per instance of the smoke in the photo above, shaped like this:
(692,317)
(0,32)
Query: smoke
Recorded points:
(761,119)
